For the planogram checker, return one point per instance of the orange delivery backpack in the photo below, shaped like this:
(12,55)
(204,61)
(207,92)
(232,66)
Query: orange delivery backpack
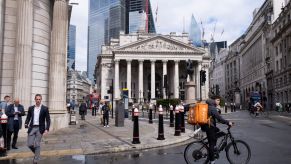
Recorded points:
(198,114)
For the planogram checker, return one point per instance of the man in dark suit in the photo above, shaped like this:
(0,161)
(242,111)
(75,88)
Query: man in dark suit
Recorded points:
(38,124)
(14,113)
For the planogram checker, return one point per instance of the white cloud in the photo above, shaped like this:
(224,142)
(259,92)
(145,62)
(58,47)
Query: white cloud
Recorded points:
(231,16)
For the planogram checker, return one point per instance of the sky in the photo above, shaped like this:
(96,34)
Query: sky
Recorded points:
(224,19)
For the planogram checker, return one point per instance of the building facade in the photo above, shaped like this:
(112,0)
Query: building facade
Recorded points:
(232,72)
(217,73)
(279,60)
(33,53)
(253,53)
(140,62)
(71,58)
(78,86)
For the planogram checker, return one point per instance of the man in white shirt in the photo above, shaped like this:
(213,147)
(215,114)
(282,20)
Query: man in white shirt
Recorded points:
(38,124)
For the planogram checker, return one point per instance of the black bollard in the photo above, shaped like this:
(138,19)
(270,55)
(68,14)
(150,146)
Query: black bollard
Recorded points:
(161,124)
(171,116)
(151,114)
(135,139)
(225,108)
(177,122)
(182,118)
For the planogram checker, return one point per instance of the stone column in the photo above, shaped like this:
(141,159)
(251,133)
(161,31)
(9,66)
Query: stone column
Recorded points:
(129,78)
(153,80)
(58,56)
(140,80)
(164,73)
(176,80)
(23,57)
(116,80)
(198,69)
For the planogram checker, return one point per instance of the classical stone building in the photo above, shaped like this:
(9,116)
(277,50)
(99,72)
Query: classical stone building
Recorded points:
(252,53)
(217,73)
(33,49)
(140,62)
(78,86)
(279,60)
(232,72)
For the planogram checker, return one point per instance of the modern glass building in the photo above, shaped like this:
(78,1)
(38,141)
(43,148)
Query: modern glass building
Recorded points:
(71,56)
(137,16)
(195,32)
(108,17)
(106,20)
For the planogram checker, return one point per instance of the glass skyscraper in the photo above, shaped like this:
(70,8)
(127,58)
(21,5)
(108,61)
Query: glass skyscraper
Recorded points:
(106,20)
(71,56)
(195,32)
(137,16)
(108,17)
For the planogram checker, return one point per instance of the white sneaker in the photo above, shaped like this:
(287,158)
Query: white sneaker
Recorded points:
(104,126)
(212,162)
(107,126)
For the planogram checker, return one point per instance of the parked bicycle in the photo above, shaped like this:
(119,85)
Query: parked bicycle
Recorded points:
(237,151)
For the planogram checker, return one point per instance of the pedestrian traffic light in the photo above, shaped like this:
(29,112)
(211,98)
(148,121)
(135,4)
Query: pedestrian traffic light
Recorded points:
(202,77)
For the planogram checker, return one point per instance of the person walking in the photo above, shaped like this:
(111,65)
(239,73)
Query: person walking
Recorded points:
(38,123)
(105,112)
(82,110)
(3,109)
(14,113)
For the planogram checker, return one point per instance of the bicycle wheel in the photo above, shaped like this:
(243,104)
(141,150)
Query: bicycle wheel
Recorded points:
(238,152)
(196,152)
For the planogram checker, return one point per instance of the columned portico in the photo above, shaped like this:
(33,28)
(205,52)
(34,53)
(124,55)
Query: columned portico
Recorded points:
(129,78)
(143,63)
(140,80)
(164,73)
(153,80)
(176,80)
(116,80)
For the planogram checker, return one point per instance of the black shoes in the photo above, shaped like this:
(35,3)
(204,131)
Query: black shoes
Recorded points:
(14,147)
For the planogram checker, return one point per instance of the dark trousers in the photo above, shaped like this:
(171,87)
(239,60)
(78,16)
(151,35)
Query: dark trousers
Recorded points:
(94,110)
(4,130)
(15,134)
(211,133)
(105,118)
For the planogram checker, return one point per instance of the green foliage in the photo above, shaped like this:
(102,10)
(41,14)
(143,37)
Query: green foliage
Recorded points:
(166,102)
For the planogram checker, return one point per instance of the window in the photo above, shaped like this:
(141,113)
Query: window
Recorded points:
(277,65)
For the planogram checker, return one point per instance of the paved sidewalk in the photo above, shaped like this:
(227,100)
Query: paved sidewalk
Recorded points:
(89,137)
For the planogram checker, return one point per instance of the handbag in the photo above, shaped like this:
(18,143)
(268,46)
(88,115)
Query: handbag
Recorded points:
(1,143)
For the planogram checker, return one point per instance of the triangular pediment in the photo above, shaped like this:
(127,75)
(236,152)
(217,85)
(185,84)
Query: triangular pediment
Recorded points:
(160,44)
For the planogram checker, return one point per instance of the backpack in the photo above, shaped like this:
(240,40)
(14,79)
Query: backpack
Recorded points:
(198,114)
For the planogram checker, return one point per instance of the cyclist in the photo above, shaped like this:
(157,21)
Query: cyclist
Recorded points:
(211,130)
(258,107)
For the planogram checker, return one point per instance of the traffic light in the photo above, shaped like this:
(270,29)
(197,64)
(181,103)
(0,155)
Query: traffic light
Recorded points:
(110,91)
(202,77)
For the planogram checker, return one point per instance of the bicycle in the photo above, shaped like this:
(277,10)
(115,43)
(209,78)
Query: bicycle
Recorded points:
(256,112)
(197,151)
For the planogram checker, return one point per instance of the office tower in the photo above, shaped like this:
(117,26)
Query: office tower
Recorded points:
(195,32)
(71,57)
